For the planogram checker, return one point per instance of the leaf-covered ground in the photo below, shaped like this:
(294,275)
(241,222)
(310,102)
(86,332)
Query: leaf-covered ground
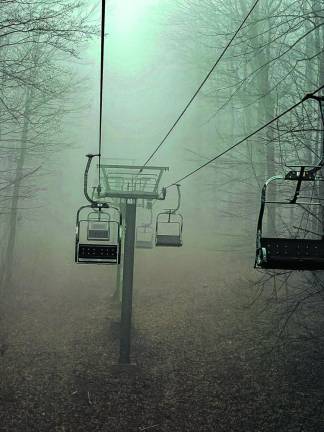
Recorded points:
(204,361)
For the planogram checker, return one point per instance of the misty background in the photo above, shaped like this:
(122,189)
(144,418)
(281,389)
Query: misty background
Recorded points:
(219,345)
(147,82)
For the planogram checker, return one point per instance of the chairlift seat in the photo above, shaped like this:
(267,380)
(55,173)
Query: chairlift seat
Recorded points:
(94,253)
(144,244)
(168,240)
(291,254)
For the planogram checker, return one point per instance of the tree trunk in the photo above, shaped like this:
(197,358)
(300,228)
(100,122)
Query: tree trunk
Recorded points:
(12,228)
(319,34)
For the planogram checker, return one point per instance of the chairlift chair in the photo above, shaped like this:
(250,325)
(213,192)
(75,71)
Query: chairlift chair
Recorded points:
(169,226)
(164,221)
(289,253)
(98,239)
(144,236)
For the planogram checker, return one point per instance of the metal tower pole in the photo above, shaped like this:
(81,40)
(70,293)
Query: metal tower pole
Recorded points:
(117,296)
(128,271)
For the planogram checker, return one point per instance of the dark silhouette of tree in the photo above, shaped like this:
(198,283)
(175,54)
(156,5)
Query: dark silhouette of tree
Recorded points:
(38,40)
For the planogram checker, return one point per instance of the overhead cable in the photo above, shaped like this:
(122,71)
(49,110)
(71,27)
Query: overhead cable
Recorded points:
(200,86)
(307,96)
(102,57)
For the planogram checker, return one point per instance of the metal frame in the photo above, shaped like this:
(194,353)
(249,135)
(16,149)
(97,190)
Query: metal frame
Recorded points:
(132,182)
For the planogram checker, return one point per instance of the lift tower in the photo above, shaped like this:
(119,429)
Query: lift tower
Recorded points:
(129,183)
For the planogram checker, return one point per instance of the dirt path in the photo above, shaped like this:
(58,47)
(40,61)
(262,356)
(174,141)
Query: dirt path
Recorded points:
(197,352)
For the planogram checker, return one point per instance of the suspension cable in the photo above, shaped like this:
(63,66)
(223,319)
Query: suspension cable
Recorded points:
(307,96)
(322,118)
(102,57)
(200,86)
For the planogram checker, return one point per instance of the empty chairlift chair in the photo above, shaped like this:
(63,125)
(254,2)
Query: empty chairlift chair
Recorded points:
(169,226)
(98,235)
(289,253)
(145,234)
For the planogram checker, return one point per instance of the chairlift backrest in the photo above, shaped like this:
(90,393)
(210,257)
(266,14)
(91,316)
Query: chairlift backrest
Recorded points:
(98,226)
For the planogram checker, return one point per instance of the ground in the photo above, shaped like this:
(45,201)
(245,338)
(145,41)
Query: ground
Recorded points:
(205,360)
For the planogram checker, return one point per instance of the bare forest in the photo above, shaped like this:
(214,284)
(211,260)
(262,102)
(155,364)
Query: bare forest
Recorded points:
(181,143)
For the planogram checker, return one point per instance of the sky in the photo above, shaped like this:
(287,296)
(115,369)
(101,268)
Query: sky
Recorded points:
(146,84)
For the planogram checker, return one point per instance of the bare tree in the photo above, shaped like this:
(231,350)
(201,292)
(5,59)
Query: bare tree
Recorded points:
(37,40)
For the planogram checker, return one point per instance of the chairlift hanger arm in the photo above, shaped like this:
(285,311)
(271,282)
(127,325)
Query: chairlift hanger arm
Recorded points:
(264,201)
(95,204)
(162,196)
(85,178)
(298,186)
(174,210)
(320,100)
(78,213)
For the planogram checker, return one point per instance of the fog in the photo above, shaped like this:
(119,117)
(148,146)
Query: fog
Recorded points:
(146,85)
(216,344)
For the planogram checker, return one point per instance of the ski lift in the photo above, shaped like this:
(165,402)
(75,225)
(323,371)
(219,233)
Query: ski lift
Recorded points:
(169,226)
(145,234)
(289,253)
(98,239)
